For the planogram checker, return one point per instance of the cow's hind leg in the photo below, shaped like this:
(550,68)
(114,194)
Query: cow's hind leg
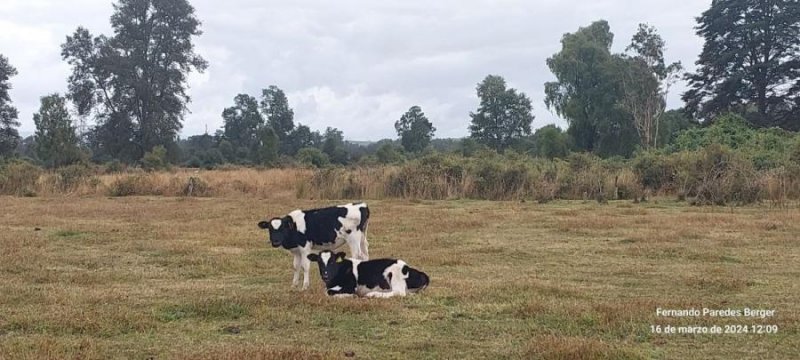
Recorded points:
(364,245)
(354,242)
(355,249)
(384,294)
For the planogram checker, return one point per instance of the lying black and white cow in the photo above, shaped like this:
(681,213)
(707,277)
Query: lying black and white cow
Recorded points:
(304,231)
(373,278)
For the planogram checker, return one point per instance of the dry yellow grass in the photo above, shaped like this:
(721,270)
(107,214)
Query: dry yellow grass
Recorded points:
(193,278)
(274,183)
(778,188)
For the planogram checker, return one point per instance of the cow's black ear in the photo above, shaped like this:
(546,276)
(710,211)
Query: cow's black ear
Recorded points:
(263,224)
(313,257)
(340,255)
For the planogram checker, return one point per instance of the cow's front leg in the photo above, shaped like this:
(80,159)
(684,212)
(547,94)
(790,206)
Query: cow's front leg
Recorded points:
(306,265)
(297,267)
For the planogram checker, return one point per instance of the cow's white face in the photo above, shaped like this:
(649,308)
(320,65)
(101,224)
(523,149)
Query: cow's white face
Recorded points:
(328,263)
(279,229)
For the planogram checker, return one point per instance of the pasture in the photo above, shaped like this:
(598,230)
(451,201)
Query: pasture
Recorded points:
(194,278)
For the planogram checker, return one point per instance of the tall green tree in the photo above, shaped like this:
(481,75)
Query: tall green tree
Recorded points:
(333,146)
(241,123)
(9,136)
(57,144)
(750,59)
(267,148)
(588,90)
(278,114)
(302,137)
(646,80)
(135,81)
(414,129)
(503,115)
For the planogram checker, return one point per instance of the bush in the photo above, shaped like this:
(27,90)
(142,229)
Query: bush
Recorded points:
(71,176)
(586,179)
(655,171)
(155,159)
(389,154)
(430,177)
(19,178)
(794,152)
(312,157)
(765,148)
(196,186)
(130,185)
(500,180)
(114,167)
(722,176)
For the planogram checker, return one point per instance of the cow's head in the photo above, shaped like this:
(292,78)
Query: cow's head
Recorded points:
(280,229)
(416,280)
(328,262)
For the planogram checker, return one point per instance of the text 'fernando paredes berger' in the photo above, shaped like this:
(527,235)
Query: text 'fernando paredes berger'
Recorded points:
(745,312)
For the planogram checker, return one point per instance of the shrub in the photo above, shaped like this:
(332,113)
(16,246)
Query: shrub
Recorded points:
(434,176)
(389,154)
(195,186)
(496,179)
(723,176)
(114,167)
(130,185)
(19,178)
(312,157)
(794,152)
(71,176)
(655,171)
(586,178)
(155,159)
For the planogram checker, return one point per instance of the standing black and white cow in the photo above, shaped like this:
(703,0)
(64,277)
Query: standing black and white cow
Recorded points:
(373,278)
(304,231)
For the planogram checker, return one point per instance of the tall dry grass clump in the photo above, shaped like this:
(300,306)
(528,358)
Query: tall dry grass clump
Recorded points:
(23,179)
(19,178)
(344,183)
(489,177)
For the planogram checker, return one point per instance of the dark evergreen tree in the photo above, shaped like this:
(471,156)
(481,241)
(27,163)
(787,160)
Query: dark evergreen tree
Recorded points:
(750,62)
(57,144)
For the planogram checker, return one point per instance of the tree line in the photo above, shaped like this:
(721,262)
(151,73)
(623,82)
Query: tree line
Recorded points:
(132,87)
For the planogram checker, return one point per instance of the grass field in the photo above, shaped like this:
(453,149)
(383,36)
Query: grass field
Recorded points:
(162,277)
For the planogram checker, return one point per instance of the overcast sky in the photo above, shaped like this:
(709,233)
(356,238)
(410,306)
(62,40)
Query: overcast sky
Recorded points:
(357,65)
